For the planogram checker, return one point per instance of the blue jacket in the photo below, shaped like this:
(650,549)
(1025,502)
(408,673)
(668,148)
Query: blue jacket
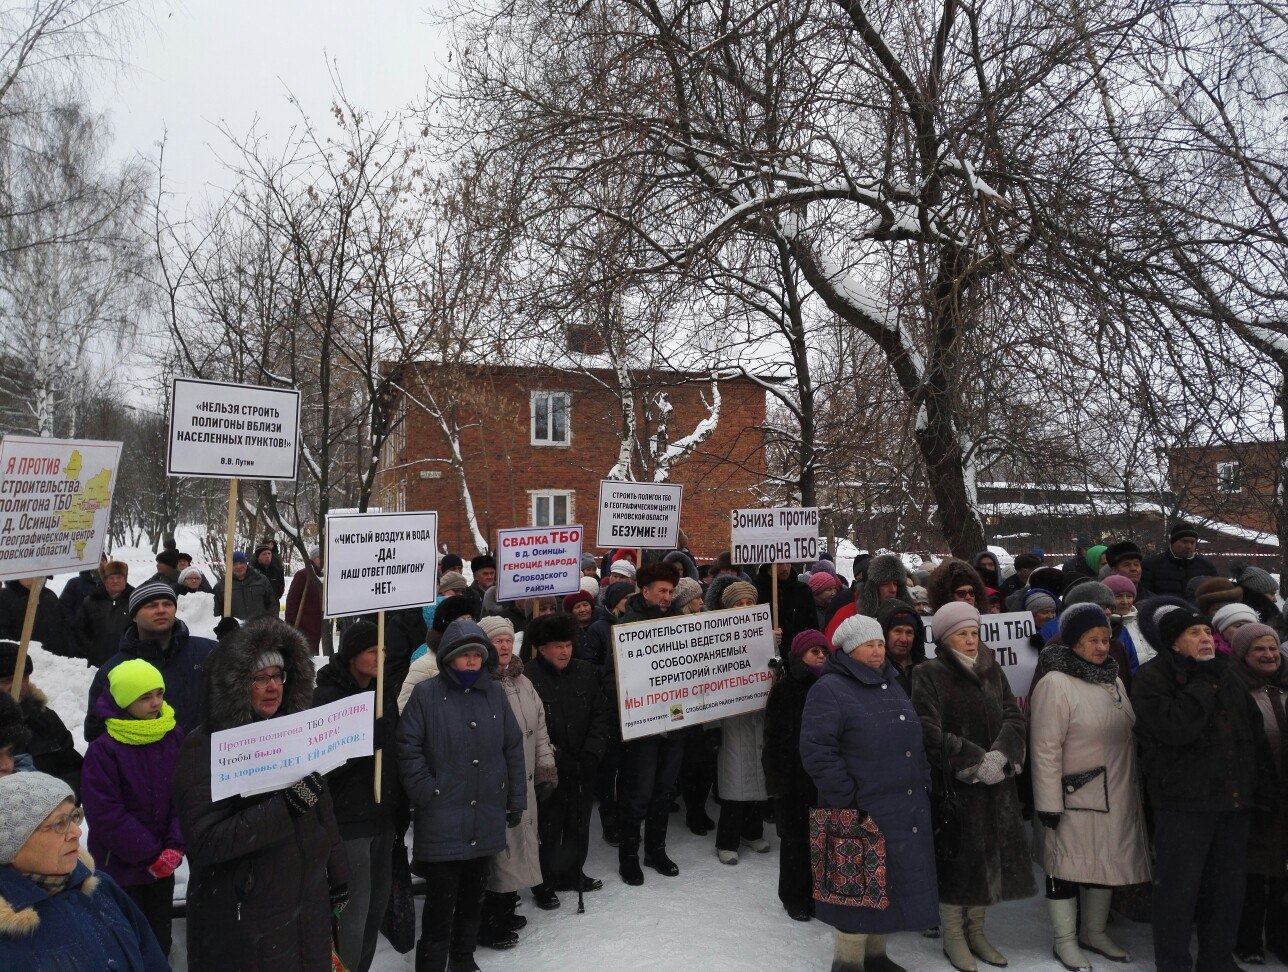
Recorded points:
(88,927)
(861,743)
(460,754)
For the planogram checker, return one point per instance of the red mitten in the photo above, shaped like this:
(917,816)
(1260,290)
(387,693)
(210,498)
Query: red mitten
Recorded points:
(166,864)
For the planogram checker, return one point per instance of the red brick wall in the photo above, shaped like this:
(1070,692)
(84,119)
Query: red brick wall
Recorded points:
(1193,475)
(502,466)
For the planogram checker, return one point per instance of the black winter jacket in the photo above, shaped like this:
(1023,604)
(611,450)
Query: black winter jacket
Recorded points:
(576,714)
(53,627)
(785,776)
(52,748)
(76,590)
(1165,573)
(101,621)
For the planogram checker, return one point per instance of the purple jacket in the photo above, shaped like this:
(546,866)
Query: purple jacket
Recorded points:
(126,794)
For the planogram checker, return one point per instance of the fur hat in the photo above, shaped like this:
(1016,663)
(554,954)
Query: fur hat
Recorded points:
(1026,562)
(1216,591)
(918,595)
(548,628)
(1173,624)
(482,562)
(686,591)
(856,630)
(9,660)
(168,557)
(496,625)
(577,597)
(1077,620)
(254,646)
(1180,531)
(947,577)
(951,618)
(26,799)
(1122,550)
(735,591)
(807,639)
(1254,579)
(357,638)
(884,568)
(1228,614)
(114,568)
(1050,579)
(1245,636)
(457,606)
(156,591)
(452,581)
(1120,584)
(1089,592)
(653,571)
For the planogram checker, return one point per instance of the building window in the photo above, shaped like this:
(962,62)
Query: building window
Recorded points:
(550,414)
(1228,478)
(551,508)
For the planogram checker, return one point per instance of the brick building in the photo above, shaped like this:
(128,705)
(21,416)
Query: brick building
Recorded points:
(1233,483)
(534,445)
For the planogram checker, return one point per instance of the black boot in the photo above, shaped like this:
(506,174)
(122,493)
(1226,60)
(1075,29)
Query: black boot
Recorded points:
(628,860)
(543,895)
(431,956)
(507,902)
(655,846)
(465,937)
(608,821)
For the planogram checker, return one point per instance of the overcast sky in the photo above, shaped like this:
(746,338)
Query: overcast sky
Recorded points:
(204,62)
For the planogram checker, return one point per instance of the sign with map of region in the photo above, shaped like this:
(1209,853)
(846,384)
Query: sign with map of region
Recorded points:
(55,502)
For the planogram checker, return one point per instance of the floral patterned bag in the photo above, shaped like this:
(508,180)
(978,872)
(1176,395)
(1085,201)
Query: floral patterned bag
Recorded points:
(848,858)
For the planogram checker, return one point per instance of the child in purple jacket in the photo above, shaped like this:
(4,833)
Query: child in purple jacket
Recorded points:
(125,788)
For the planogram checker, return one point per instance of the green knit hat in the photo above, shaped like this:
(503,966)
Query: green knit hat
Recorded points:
(1093,556)
(132,679)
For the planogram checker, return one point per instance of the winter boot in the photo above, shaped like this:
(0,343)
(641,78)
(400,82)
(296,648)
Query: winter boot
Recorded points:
(494,929)
(983,949)
(847,953)
(953,932)
(466,964)
(507,903)
(875,958)
(655,846)
(1095,914)
(727,857)
(1064,921)
(465,937)
(431,956)
(628,859)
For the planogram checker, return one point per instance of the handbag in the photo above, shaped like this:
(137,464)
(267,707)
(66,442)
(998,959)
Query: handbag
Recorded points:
(848,858)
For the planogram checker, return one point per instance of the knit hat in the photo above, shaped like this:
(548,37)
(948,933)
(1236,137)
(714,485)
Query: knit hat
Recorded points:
(314,552)
(450,562)
(820,581)
(1076,621)
(807,639)
(168,557)
(857,630)
(26,799)
(1228,614)
(1175,623)
(1254,579)
(269,659)
(357,638)
(823,567)
(1120,551)
(615,591)
(156,591)
(590,586)
(482,562)
(239,557)
(1181,530)
(189,572)
(577,597)
(114,568)
(588,562)
(686,591)
(1216,591)
(623,568)
(735,591)
(461,637)
(1037,599)
(1120,584)
(1093,556)
(1245,636)
(1089,592)
(452,581)
(919,595)
(496,625)
(131,679)
(9,660)
(951,618)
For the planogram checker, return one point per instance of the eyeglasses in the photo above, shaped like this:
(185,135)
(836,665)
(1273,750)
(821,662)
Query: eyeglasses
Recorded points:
(261,681)
(964,594)
(66,822)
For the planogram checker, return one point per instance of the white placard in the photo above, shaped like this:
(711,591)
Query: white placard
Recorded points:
(645,515)
(224,431)
(1008,635)
(379,562)
(538,562)
(782,535)
(55,503)
(692,668)
(269,755)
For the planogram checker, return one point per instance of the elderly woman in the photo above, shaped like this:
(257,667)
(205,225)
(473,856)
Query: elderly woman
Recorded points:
(56,912)
(975,740)
(1085,788)
(268,872)
(861,745)
(1260,663)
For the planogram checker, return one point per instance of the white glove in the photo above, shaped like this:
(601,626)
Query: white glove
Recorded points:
(992,768)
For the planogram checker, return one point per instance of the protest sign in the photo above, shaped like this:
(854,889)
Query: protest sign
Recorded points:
(379,562)
(224,431)
(55,502)
(689,669)
(776,536)
(274,753)
(538,562)
(1008,635)
(645,515)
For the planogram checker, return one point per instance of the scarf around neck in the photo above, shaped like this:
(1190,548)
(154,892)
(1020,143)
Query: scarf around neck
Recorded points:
(1063,659)
(141,732)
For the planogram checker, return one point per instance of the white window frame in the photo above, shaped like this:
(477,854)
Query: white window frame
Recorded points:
(1227,483)
(537,495)
(533,437)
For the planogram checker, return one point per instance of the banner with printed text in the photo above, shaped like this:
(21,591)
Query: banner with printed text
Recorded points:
(379,562)
(538,562)
(645,515)
(224,431)
(1008,635)
(777,536)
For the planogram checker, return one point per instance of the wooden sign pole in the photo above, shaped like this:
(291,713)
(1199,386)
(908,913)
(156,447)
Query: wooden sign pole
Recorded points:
(380,689)
(28,623)
(773,587)
(228,551)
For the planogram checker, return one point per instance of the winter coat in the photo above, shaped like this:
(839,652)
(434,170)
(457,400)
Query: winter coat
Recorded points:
(51,747)
(101,621)
(1165,573)
(90,925)
(950,575)
(76,590)
(460,755)
(181,661)
(1202,743)
(273,573)
(260,877)
(1082,764)
(404,633)
(304,605)
(352,785)
(519,865)
(599,639)
(1267,851)
(253,597)
(740,774)
(126,792)
(422,670)
(800,614)
(861,744)
(980,844)
(790,603)
(785,776)
(53,628)
(576,713)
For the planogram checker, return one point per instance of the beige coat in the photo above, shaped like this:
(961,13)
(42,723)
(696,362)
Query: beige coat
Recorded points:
(422,669)
(1078,727)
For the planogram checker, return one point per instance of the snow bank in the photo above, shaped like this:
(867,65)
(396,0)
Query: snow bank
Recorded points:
(197,611)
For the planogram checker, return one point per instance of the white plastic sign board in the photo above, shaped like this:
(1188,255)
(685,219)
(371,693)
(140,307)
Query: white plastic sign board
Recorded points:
(272,754)
(777,536)
(378,562)
(55,503)
(692,668)
(538,562)
(224,431)
(1008,635)
(645,515)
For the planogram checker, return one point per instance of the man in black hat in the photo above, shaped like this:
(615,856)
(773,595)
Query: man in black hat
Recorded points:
(1171,571)
(484,568)
(1124,557)
(450,561)
(167,569)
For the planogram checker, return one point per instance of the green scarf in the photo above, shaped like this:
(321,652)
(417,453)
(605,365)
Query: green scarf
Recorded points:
(140,732)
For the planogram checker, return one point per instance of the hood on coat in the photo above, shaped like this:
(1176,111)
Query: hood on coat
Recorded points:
(882,569)
(991,581)
(682,560)
(19,919)
(948,576)
(229,671)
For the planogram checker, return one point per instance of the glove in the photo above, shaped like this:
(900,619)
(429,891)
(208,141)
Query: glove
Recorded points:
(992,768)
(302,796)
(166,864)
(587,766)
(544,789)
(384,732)
(513,818)
(339,899)
(1050,820)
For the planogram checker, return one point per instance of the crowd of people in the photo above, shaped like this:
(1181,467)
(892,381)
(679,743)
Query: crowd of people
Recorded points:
(910,790)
